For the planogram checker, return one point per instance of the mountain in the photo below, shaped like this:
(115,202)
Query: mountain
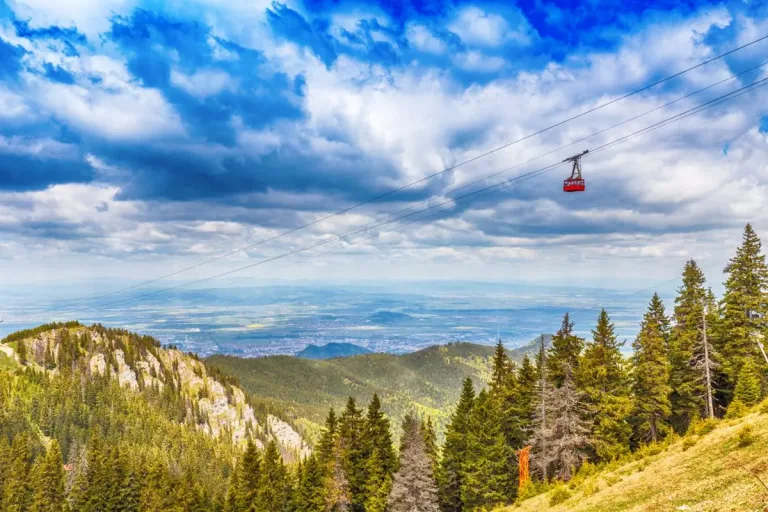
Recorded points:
(135,367)
(707,471)
(427,382)
(331,350)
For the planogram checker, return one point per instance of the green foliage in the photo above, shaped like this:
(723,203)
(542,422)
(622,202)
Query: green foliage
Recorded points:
(604,380)
(745,436)
(748,384)
(31,333)
(651,374)
(689,441)
(565,351)
(685,377)
(744,305)
(451,471)
(310,492)
(486,472)
(736,409)
(558,495)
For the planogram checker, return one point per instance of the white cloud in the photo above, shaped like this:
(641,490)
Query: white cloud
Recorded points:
(478,27)
(133,113)
(422,39)
(203,83)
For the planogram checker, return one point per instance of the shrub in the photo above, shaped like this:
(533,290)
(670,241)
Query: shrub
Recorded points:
(559,494)
(529,490)
(745,436)
(591,488)
(764,407)
(706,426)
(689,441)
(737,409)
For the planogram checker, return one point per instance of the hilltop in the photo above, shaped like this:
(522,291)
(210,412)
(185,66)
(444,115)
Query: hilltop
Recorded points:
(705,471)
(426,382)
(332,350)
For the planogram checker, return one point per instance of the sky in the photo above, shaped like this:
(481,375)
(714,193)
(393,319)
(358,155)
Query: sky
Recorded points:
(138,138)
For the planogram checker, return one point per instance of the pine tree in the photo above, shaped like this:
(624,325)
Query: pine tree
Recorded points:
(748,384)
(328,439)
(378,483)
(651,374)
(744,307)
(565,351)
(310,490)
(605,383)
(378,437)
(249,477)
(527,383)
(505,391)
(49,481)
(451,474)
(414,488)
(501,369)
(688,388)
(487,476)
(430,442)
(16,495)
(274,490)
(352,444)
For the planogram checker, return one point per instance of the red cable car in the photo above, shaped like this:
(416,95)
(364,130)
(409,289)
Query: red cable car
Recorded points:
(575,183)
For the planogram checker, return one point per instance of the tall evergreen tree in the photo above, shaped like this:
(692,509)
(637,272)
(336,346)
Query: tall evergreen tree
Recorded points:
(378,437)
(378,483)
(487,476)
(604,380)
(17,492)
(352,446)
(430,442)
(414,488)
(249,477)
(49,481)
(451,474)
(336,493)
(328,439)
(744,307)
(688,388)
(310,496)
(501,369)
(565,352)
(651,374)
(274,488)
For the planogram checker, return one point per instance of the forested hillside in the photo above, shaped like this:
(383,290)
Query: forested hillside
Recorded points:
(422,382)
(115,418)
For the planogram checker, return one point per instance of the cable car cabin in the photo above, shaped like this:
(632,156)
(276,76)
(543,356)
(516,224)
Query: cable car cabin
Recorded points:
(573,185)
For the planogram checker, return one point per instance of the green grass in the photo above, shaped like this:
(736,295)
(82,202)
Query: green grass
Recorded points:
(713,474)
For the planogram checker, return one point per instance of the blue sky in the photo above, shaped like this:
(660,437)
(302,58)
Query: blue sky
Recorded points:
(140,137)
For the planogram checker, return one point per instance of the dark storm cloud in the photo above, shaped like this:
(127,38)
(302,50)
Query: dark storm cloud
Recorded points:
(20,172)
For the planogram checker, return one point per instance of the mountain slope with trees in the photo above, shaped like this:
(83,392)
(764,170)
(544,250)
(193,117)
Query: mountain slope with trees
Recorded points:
(423,382)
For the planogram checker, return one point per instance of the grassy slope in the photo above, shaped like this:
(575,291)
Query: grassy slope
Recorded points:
(427,381)
(711,476)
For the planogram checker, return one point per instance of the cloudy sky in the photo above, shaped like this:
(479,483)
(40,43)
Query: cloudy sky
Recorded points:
(138,138)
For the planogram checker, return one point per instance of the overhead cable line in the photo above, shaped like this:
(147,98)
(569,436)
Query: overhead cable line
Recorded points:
(411,184)
(488,189)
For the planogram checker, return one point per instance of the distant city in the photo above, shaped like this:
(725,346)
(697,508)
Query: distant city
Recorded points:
(284,319)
